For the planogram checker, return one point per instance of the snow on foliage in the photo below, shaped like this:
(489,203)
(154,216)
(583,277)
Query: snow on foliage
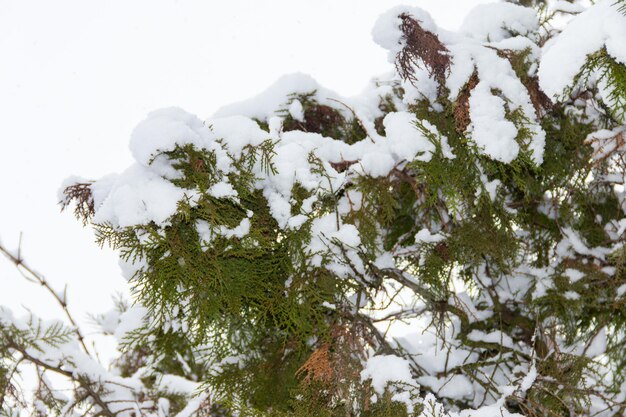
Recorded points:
(448,243)
(487,28)
(600,26)
(228,133)
(383,370)
(496,22)
(265,104)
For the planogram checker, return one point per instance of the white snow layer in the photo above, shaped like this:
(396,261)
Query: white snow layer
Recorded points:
(265,104)
(491,130)
(385,369)
(161,131)
(387,33)
(497,21)
(137,196)
(601,25)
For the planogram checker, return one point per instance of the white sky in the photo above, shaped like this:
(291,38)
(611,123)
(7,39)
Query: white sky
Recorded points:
(77,75)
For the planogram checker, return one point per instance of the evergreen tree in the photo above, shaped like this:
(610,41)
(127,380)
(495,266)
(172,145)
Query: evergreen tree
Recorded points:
(450,243)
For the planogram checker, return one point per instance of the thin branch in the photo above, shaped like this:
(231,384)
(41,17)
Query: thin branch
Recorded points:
(80,380)
(32,276)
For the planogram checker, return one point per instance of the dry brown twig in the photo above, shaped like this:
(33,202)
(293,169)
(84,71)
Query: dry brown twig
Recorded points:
(421,47)
(82,194)
(461,107)
(317,367)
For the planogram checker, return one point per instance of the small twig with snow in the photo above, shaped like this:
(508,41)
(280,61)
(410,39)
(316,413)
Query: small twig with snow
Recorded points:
(33,276)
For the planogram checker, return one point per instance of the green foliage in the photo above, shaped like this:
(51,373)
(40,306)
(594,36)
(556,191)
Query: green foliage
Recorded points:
(611,77)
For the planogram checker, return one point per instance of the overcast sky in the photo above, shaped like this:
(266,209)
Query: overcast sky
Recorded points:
(77,75)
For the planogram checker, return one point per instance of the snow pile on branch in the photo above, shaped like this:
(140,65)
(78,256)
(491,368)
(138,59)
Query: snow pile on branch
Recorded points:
(264,105)
(499,21)
(143,193)
(600,26)
(487,30)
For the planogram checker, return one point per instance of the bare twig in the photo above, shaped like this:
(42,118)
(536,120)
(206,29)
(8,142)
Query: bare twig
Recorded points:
(82,381)
(31,275)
